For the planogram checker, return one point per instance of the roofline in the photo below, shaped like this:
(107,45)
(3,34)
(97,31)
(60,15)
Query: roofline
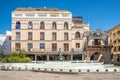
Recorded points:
(38,9)
(114,27)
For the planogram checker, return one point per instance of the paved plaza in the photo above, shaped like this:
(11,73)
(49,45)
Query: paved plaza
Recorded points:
(30,75)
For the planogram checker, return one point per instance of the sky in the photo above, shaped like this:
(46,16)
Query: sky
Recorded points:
(102,14)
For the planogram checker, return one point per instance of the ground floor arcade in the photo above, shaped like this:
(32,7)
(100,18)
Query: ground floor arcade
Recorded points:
(54,56)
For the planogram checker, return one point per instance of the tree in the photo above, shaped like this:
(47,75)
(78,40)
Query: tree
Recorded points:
(13,54)
(17,57)
(22,54)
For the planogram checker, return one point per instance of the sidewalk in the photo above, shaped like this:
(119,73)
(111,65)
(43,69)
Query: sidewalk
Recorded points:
(29,75)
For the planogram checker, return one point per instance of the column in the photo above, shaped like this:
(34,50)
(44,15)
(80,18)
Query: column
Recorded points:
(35,57)
(83,57)
(71,56)
(47,56)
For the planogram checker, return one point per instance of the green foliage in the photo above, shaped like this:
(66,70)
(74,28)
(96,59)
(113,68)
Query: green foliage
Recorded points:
(26,59)
(22,54)
(13,54)
(14,59)
(4,59)
(17,57)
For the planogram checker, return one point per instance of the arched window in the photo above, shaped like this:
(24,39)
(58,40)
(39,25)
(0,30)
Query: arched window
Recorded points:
(54,25)
(77,35)
(18,25)
(30,25)
(42,25)
(66,25)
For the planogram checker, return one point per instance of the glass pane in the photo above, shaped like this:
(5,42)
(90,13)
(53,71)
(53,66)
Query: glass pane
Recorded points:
(42,45)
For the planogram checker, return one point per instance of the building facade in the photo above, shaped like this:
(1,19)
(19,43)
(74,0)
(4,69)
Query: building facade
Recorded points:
(42,32)
(97,46)
(5,43)
(115,42)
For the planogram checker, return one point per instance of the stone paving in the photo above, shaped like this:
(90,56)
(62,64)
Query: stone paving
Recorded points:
(30,75)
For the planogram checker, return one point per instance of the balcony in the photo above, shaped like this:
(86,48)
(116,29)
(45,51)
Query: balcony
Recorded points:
(53,38)
(35,50)
(98,46)
(77,38)
(17,37)
(65,39)
(29,38)
(77,49)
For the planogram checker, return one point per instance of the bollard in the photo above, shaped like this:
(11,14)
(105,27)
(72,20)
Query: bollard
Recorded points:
(88,70)
(32,68)
(19,68)
(70,70)
(45,69)
(38,69)
(106,70)
(115,70)
(51,69)
(79,70)
(97,70)
(12,68)
(26,68)
(61,70)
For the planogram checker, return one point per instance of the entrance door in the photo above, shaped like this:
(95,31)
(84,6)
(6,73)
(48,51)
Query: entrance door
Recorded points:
(77,57)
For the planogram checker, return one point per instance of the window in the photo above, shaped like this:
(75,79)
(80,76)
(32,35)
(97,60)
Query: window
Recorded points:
(97,42)
(65,36)
(77,35)
(65,15)
(54,36)
(30,25)
(17,35)
(17,46)
(118,48)
(42,25)
(42,36)
(54,25)
(118,40)
(114,34)
(118,32)
(114,48)
(29,46)
(54,46)
(66,47)
(18,25)
(54,15)
(66,25)
(29,35)
(9,37)
(42,45)
(77,45)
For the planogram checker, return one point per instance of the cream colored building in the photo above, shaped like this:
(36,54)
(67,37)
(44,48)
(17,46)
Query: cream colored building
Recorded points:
(44,31)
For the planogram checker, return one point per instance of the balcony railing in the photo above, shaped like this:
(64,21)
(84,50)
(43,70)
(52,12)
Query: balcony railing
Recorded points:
(98,46)
(17,37)
(77,49)
(36,50)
